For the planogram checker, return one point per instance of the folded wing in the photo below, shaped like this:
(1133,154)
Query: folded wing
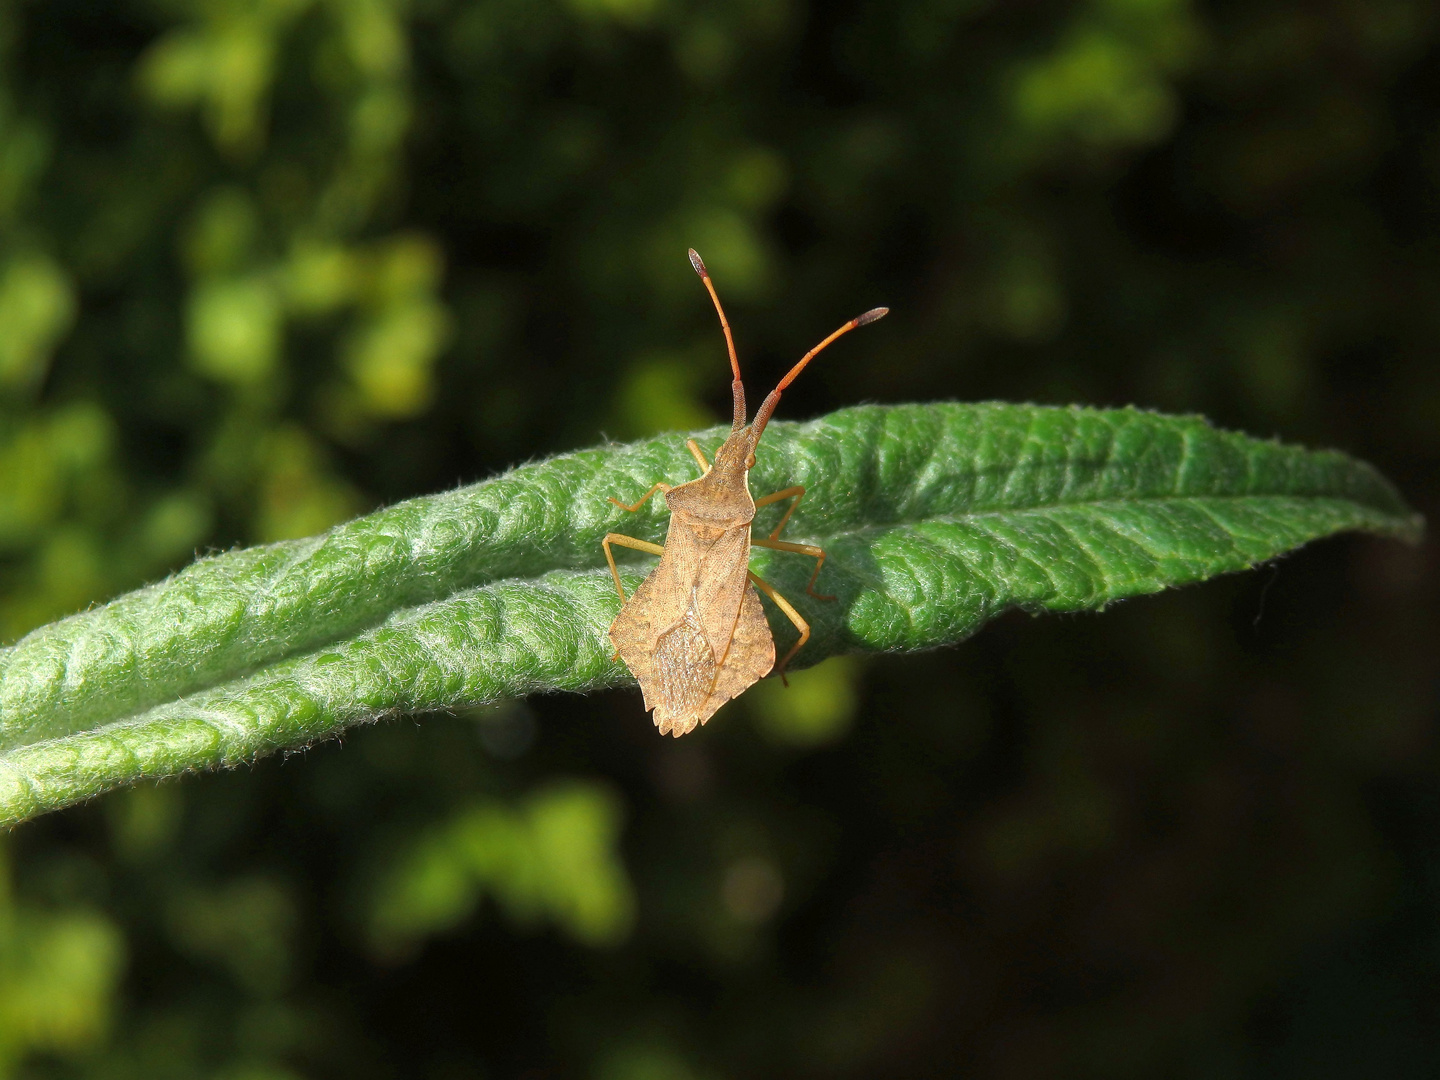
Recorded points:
(694,634)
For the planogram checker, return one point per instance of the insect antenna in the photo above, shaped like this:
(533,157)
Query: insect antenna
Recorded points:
(737,388)
(767,407)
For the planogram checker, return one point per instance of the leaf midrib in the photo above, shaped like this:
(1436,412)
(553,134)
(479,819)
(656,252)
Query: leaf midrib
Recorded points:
(1403,524)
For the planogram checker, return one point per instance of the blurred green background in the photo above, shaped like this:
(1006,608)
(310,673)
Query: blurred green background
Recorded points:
(266,264)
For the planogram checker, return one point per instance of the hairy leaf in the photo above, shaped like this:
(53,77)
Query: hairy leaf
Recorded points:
(935,517)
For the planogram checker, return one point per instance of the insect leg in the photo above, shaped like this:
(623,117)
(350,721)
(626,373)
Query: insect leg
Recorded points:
(816,553)
(643,498)
(797,491)
(694,449)
(793,615)
(630,542)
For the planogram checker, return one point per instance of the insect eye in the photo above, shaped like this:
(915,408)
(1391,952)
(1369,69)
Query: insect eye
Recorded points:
(750,462)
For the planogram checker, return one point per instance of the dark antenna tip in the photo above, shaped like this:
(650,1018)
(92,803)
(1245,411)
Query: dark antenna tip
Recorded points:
(698,263)
(873,315)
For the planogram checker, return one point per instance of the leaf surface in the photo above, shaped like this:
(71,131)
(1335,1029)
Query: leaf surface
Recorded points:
(936,518)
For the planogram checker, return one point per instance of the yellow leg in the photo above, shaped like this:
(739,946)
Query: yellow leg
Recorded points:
(643,498)
(630,542)
(818,554)
(694,449)
(793,615)
(797,491)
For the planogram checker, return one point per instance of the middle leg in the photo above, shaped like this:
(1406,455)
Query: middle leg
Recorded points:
(630,542)
(773,540)
(816,553)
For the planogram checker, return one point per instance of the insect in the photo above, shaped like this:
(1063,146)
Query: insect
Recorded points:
(694,634)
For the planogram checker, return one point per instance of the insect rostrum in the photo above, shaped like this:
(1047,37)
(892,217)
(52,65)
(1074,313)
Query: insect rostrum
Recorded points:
(694,634)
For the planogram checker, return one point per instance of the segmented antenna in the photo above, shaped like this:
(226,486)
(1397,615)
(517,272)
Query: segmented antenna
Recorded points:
(767,407)
(737,388)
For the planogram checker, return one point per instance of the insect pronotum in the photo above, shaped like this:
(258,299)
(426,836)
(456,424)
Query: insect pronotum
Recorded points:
(694,634)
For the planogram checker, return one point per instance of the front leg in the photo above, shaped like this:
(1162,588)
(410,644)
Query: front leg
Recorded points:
(643,498)
(797,492)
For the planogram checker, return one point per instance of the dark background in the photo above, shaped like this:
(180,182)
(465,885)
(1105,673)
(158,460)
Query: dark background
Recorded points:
(265,264)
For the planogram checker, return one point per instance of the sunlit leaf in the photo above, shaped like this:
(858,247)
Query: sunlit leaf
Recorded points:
(936,518)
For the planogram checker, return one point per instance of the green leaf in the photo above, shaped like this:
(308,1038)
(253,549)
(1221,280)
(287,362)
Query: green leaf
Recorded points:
(935,517)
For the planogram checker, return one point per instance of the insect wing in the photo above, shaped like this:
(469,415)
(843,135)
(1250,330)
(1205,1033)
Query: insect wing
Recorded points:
(685,667)
(635,629)
(658,605)
(719,585)
(692,633)
(751,654)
